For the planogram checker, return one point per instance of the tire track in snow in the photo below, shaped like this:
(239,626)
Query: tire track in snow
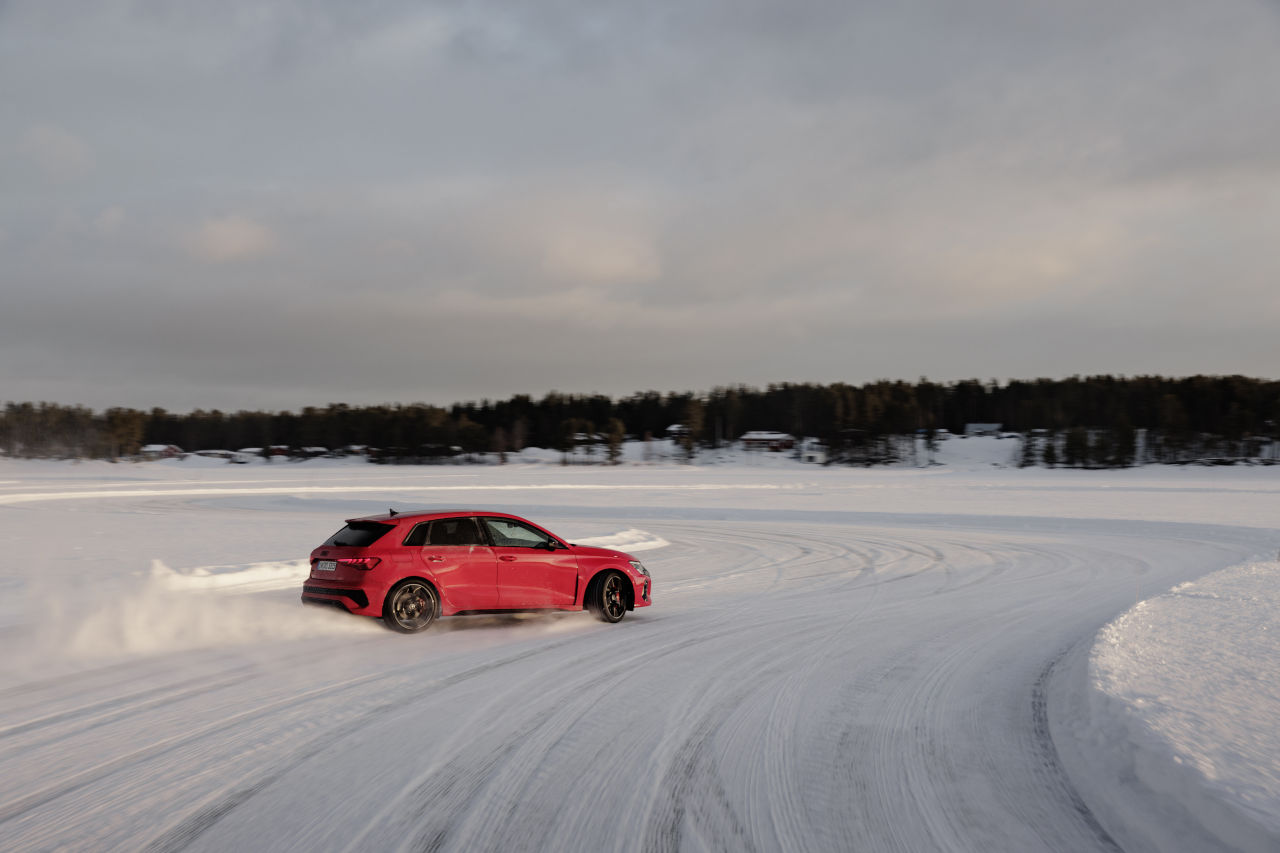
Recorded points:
(99,713)
(19,806)
(442,808)
(774,770)
(79,718)
(195,825)
(1051,770)
(913,800)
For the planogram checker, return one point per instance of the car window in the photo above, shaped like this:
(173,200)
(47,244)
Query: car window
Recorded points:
(512,534)
(445,531)
(454,531)
(418,536)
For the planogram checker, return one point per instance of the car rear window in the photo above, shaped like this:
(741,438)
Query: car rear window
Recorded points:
(359,534)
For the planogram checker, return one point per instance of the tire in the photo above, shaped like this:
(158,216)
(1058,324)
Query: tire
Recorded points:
(410,607)
(607,599)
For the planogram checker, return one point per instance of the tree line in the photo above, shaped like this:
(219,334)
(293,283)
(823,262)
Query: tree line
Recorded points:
(1095,421)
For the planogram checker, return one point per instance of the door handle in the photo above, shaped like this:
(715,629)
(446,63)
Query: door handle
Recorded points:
(507,558)
(435,559)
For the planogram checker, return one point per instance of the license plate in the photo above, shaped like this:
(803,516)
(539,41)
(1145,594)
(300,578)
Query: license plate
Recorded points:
(326,565)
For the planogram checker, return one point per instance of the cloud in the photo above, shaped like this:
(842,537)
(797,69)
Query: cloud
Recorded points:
(110,220)
(692,192)
(557,232)
(231,238)
(59,154)
(596,255)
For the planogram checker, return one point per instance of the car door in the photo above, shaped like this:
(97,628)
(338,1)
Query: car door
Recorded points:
(456,555)
(535,569)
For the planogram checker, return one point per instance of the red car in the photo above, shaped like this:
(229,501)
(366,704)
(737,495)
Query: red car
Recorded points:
(409,568)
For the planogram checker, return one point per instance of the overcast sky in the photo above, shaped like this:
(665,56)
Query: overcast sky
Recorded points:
(272,204)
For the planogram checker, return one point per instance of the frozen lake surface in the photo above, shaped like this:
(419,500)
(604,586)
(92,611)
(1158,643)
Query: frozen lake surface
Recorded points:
(836,659)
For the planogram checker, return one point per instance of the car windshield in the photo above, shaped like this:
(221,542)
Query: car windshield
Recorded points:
(358,534)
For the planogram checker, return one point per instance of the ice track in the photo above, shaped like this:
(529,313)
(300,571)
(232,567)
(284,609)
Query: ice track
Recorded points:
(798,686)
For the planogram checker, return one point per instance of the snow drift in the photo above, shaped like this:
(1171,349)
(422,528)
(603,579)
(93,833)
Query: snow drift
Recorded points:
(1177,717)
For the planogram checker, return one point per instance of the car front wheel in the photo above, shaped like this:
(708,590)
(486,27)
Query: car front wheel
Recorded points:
(410,607)
(608,600)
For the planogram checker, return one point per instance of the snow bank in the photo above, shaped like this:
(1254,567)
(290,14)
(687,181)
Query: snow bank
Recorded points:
(1180,715)
(255,577)
(626,540)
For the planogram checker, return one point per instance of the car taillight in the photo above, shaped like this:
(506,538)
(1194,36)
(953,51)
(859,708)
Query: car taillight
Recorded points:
(362,563)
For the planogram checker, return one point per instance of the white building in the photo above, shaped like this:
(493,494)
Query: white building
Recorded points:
(767,440)
(162,451)
(813,450)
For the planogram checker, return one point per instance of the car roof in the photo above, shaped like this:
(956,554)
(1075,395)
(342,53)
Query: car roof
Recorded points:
(416,515)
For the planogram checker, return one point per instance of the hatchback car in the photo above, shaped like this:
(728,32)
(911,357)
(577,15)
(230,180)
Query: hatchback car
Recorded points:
(408,568)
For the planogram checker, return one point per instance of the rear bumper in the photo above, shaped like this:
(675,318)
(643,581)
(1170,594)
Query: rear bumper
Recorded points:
(354,600)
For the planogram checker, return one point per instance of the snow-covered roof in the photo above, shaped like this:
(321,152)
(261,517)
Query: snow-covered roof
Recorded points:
(764,435)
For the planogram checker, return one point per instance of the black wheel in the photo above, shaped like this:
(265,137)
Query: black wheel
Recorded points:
(410,607)
(608,599)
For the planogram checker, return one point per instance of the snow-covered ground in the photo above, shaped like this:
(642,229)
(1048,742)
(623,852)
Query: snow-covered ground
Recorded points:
(959,657)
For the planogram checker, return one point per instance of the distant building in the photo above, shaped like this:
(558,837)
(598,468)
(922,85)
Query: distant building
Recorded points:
(767,440)
(162,451)
(982,429)
(813,450)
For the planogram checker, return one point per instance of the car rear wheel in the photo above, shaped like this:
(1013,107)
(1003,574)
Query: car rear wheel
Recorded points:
(608,599)
(410,607)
